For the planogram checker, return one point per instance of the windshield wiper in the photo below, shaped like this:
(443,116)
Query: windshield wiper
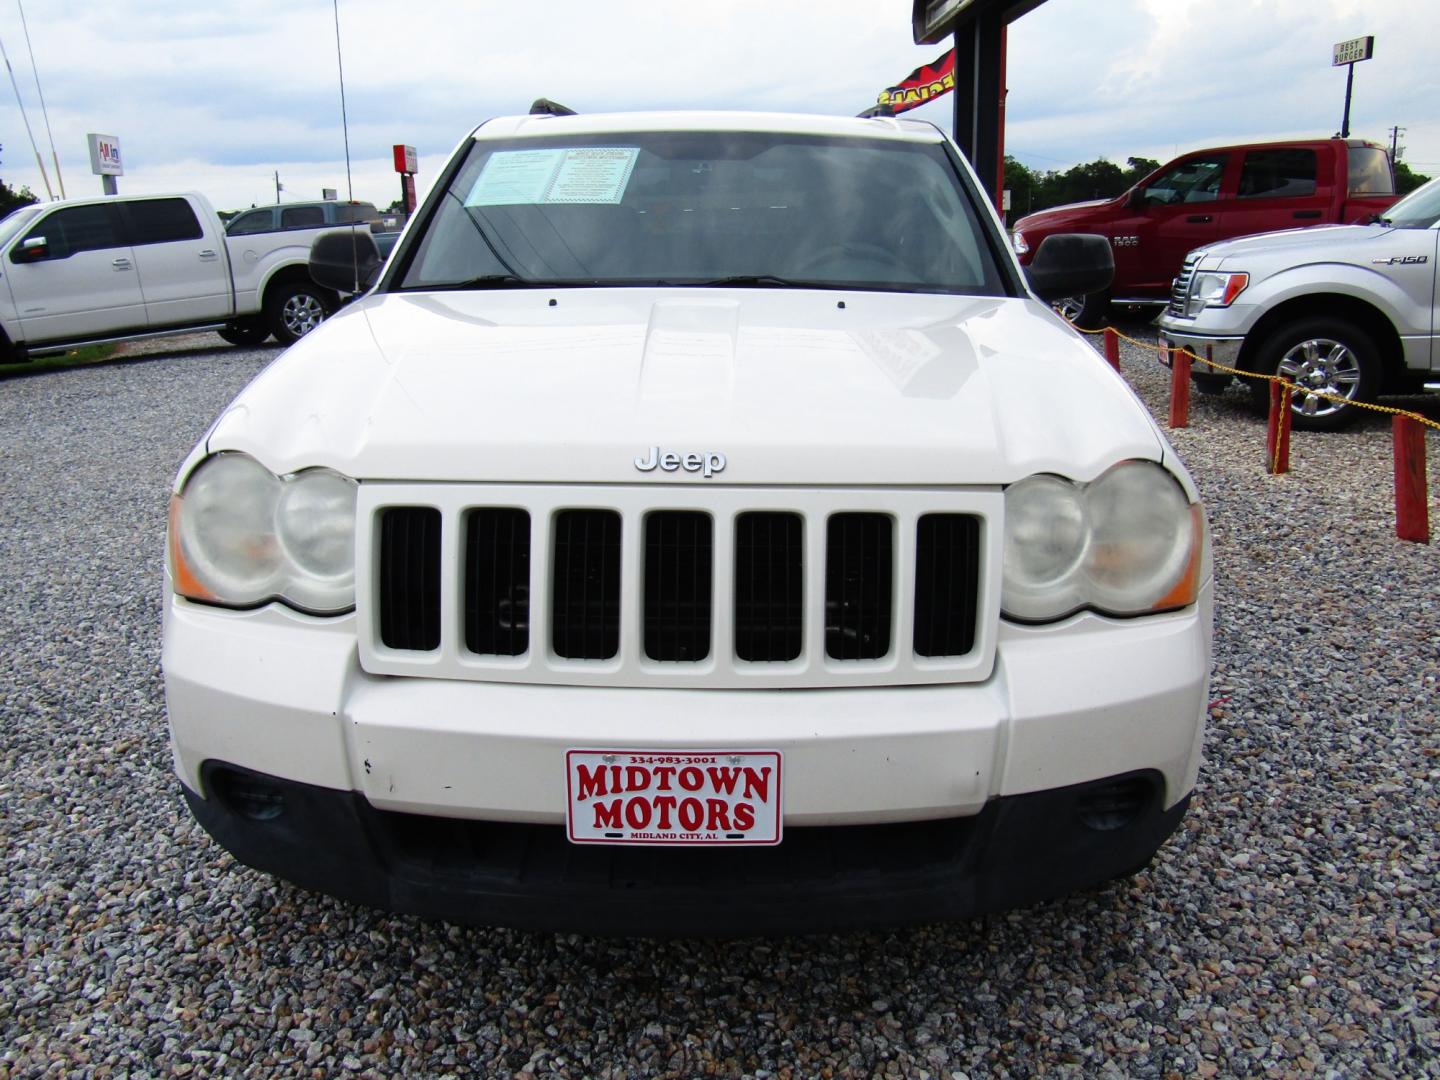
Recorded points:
(486,281)
(765,279)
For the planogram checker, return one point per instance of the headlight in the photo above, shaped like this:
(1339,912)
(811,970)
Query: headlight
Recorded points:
(1126,544)
(1214,290)
(241,536)
(1018,242)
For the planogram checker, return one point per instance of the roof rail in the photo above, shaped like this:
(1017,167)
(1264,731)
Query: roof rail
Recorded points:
(546,107)
(874,111)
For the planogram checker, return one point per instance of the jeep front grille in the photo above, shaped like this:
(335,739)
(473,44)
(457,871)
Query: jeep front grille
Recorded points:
(585,588)
(769,586)
(410,572)
(497,581)
(678,551)
(668,586)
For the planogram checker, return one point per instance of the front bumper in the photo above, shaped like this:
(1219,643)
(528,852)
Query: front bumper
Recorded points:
(1222,350)
(1019,850)
(1087,700)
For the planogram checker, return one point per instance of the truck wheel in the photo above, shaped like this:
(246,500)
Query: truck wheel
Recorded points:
(1331,356)
(295,308)
(250,331)
(1084,312)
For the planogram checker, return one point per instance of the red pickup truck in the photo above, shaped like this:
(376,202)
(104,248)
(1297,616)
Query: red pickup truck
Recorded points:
(1210,195)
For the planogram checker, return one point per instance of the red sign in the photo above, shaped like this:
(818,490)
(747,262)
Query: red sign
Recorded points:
(405,160)
(925,83)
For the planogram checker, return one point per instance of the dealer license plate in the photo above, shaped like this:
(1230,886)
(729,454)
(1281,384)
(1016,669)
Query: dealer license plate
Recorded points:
(673,797)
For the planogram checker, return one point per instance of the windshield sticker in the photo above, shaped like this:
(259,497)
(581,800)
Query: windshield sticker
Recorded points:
(596,174)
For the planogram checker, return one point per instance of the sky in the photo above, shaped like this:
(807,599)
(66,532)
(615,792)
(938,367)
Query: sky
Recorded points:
(218,97)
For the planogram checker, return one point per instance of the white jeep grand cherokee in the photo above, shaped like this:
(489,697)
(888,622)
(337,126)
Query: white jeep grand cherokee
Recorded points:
(698,527)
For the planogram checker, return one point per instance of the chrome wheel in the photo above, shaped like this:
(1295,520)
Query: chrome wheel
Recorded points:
(1324,365)
(301,313)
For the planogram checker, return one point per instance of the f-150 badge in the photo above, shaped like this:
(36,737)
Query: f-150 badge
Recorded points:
(1402,260)
(707,464)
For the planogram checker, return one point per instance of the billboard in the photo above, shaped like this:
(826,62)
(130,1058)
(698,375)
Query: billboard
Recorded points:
(105,155)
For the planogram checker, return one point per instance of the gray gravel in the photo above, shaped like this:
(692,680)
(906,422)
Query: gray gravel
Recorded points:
(1288,930)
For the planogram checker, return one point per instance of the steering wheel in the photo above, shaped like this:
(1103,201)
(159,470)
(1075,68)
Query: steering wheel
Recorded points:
(853,250)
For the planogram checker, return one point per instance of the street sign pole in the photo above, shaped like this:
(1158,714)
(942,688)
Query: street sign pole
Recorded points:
(1349,85)
(1349,53)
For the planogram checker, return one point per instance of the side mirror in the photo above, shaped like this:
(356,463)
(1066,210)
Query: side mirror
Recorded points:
(1071,264)
(345,260)
(31,249)
(1136,199)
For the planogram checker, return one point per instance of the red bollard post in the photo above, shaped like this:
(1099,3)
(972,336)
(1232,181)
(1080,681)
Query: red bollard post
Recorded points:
(1179,388)
(1112,347)
(1277,430)
(1412,509)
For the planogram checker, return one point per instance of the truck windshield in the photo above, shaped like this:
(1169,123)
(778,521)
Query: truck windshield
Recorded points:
(1370,172)
(1418,210)
(703,208)
(16,221)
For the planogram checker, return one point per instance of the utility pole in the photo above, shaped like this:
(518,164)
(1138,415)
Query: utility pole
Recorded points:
(1395,148)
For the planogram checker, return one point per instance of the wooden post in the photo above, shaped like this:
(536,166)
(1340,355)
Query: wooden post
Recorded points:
(1412,509)
(1277,430)
(1179,388)
(1112,347)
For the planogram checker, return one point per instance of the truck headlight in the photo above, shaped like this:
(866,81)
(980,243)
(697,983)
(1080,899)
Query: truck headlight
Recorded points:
(242,536)
(1214,290)
(1018,243)
(1127,543)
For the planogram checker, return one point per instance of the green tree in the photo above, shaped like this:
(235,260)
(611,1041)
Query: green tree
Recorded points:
(1020,182)
(1407,181)
(1137,168)
(10,199)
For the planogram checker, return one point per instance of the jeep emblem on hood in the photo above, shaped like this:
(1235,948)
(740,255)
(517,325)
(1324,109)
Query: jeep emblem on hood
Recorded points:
(706,464)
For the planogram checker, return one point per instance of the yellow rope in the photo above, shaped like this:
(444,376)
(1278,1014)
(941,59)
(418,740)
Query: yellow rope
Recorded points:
(1157,347)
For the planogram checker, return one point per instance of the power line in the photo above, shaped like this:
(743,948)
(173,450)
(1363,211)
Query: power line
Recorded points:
(16,87)
(344,120)
(43,111)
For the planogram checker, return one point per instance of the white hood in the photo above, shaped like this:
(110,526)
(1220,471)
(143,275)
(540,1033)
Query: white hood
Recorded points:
(571,386)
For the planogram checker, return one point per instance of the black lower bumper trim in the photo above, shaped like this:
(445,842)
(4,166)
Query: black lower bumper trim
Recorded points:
(1018,850)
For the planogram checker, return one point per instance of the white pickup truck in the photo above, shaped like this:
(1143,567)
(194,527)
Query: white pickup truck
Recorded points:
(86,270)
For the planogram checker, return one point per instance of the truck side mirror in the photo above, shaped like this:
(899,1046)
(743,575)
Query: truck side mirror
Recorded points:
(31,249)
(345,260)
(1136,199)
(1071,264)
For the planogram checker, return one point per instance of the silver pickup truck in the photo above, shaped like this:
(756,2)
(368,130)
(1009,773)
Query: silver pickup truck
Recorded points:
(1346,311)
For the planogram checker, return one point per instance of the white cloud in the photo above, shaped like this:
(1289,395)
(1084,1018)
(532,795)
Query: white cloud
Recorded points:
(216,97)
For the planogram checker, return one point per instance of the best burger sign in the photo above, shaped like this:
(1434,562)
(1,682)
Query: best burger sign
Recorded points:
(673,797)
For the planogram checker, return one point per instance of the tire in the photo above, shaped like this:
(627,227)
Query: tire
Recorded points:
(250,331)
(294,308)
(1333,355)
(1084,312)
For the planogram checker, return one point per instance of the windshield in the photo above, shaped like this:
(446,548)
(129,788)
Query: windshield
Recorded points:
(1418,210)
(687,208)
(16,221)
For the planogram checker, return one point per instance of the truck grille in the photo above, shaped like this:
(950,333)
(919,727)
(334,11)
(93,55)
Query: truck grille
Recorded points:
(1180,288)
(701,587)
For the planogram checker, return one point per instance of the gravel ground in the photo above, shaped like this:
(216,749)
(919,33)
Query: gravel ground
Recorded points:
(1287,930)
